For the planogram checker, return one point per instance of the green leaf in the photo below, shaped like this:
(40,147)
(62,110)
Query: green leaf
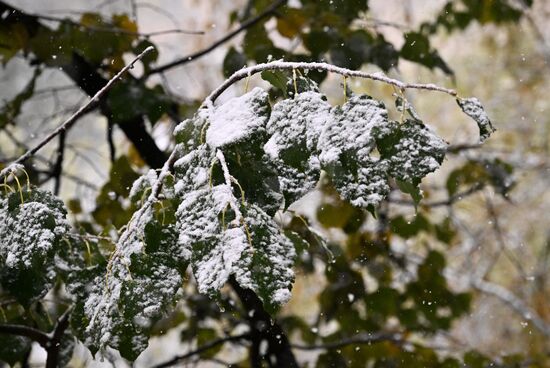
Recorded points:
(411,189)
(13,37)
(241,120)
(473,108)
(345,146)
(347,9)
(233,61)
(417,49)
(295,126)
(277,79)
(30,234)
(117,306)
(117,303)
(130,98)
(412,150)
(222,237)
(406,229)
(291,22)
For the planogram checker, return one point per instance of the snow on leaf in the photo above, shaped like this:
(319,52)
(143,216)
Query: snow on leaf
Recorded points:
(30,234)
(222,241)
(142,185)
(294,128)
(188,133)
(267,267)
(345,149)
(473,108)
(412,149)
(239,119)
(350,131)
(192,171)
(123,299)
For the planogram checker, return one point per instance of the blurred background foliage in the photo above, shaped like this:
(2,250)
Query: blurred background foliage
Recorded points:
(458,281)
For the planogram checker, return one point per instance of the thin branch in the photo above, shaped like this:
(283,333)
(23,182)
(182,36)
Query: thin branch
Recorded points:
(513,302)
(210,345)
(111,142)
(499,234)
(368,338)
(457,148)
(285,65)
(112,30)
(445,202)
(32,333)
(58,167)
(54,343)
(245,25)
(73,118)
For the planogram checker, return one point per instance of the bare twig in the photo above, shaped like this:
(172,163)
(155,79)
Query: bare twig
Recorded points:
(73,118)
(58,167)
(445,202)
(32,333)
(210,345)
(368,338)
(115,29)
(245,25)
(284,65)
(513,302)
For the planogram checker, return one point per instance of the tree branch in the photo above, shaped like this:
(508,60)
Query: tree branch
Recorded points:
(513,302)
(32,333)
(445,202)
(73,118)
(245,25)
(286,65)
(115,29)
(210,345)
(54,343)
(58,167)
(368,338)
(263,328)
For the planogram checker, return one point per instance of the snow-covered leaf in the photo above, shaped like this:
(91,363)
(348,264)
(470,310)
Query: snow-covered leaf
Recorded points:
(294,128)
(117,303)
(241,119)
(473,108)
(345,147)
(223,237)
(267,268)
(412,149)
(193,170)
(30,234)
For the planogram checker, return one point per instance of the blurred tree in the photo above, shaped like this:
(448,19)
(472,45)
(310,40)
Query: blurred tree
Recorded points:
(120,275)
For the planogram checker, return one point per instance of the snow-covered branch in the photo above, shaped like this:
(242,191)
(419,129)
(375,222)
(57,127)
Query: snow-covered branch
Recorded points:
(284,65)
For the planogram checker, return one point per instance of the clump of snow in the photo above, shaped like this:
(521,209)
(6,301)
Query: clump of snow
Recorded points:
(237,119)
